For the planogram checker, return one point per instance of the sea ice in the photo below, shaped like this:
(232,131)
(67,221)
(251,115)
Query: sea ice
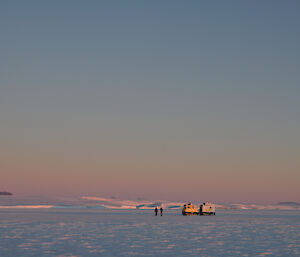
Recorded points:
(89,232)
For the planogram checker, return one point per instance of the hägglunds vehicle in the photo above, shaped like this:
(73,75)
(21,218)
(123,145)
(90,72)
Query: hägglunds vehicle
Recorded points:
(206,208)
(189,209)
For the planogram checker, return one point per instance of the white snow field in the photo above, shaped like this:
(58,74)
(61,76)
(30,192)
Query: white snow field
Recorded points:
(97,232)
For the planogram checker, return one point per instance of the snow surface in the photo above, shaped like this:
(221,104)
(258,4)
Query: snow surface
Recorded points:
(112,232)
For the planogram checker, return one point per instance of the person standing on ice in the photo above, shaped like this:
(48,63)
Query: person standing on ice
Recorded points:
(156,211)
(161,211)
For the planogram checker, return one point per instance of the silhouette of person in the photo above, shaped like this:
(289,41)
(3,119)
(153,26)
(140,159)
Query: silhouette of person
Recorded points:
(161,211)
(156,211)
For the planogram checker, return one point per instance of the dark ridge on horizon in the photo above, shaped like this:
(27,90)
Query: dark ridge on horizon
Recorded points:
(289,203)
(5,193)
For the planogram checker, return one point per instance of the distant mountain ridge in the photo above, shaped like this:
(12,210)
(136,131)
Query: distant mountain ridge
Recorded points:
(289,203)
(5,193)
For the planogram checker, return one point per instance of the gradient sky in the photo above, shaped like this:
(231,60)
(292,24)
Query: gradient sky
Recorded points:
(169,100)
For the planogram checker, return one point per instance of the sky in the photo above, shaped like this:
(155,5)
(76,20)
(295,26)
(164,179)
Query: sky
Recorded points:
(175,100)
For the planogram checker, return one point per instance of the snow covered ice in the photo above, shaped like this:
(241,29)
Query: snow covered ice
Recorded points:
(96,232)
